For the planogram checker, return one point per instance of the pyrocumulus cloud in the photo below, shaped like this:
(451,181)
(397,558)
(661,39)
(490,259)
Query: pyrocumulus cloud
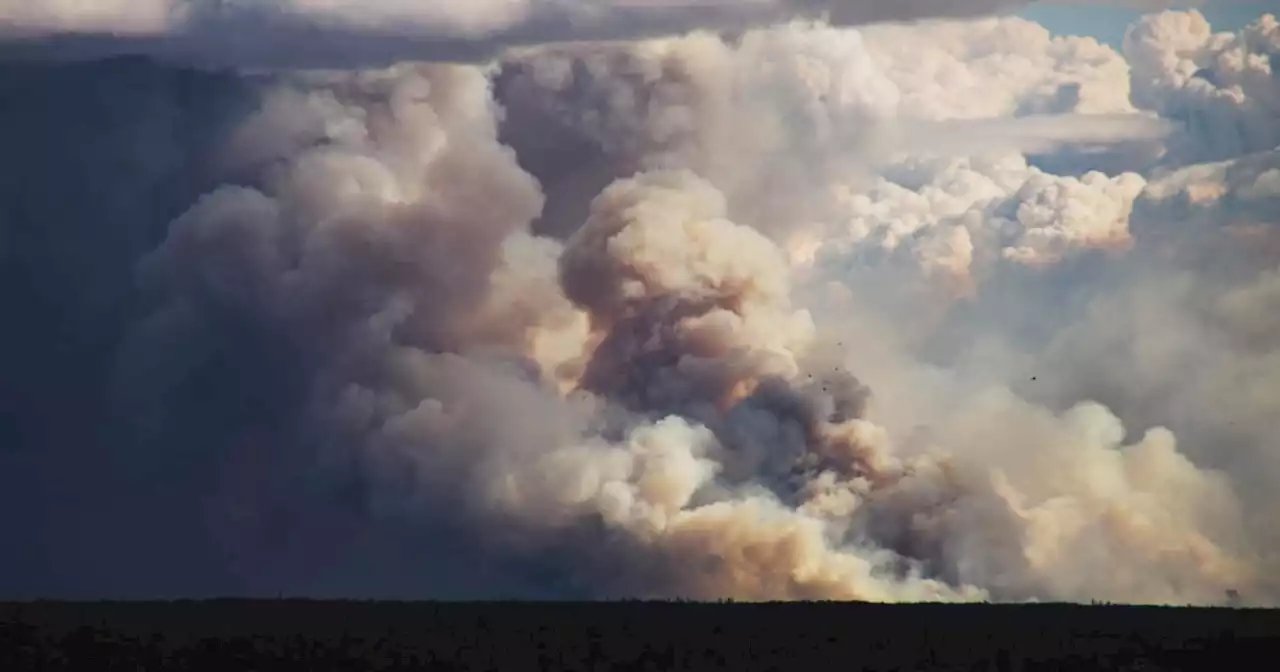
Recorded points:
(954,310)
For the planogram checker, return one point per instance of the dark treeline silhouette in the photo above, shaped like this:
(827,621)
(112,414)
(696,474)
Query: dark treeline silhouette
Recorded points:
(302,634)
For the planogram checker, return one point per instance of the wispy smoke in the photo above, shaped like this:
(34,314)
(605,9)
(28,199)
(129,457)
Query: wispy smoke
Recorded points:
(909,312)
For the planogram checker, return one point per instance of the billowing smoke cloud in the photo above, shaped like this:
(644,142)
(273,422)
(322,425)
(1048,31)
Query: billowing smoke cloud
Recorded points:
(1220,86)
(884,314)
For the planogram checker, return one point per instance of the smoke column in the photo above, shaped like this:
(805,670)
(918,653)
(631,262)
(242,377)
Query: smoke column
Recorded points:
(893,313)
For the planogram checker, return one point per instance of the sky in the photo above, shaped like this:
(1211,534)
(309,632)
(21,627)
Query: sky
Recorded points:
(395,299)
(1108,23)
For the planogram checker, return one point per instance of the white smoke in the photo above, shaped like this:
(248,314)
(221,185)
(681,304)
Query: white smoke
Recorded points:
(864,139)
(1221,87)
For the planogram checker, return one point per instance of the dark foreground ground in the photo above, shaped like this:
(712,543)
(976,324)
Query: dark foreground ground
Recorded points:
(229,636)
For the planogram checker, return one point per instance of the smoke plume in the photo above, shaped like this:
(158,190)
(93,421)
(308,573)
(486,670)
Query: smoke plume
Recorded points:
(946,311)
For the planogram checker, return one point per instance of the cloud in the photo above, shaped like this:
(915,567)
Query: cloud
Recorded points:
(321,33)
